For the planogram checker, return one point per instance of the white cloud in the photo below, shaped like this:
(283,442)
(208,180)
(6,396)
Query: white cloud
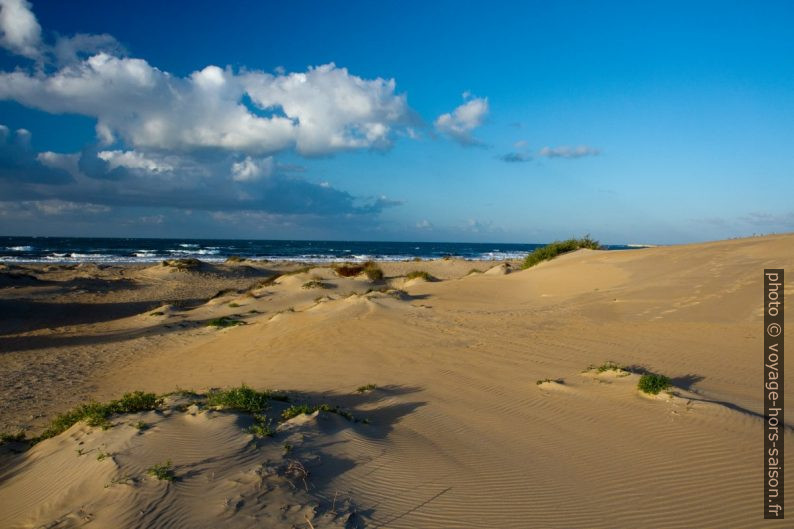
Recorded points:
(317,112)
(568,152)
(250,169)
(19,30)
(67,162)
(460,123)
(133,160)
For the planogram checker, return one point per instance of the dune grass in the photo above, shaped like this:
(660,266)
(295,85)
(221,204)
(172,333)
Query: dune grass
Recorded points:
(414,274)
(224,321)
(653,384)
(364,389)
(162,471)
(186,264)
(550,251)
(314,283)
(97,414)
(370,268)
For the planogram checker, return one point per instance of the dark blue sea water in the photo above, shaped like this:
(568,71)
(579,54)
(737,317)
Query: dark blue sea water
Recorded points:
(102,250)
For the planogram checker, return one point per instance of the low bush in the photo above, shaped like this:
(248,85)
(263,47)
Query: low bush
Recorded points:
(550,251)
(653,384)
(419,274)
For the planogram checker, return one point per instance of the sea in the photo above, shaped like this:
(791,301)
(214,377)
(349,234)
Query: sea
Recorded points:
(134,250)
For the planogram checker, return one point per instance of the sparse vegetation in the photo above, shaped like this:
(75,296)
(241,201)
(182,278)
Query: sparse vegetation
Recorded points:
(97,414)
(224,321)
(235,259)
(298,409)
(550,251)
(314,284)
(162,471)
(234,305)
(240,399)
(606,366)
(364,389)
(474,271)
(18,437)
(262,427)
(370,268)
(157,313)
(419,274)
(101,456)
(140,425)
(373,271)
(653,384)
(543,381)
(183,265)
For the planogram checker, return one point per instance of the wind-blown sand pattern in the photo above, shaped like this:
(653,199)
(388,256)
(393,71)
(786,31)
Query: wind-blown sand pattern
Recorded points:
(459,432)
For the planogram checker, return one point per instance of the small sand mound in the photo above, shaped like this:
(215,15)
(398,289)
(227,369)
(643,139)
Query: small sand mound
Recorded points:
(184,466)
(499,270)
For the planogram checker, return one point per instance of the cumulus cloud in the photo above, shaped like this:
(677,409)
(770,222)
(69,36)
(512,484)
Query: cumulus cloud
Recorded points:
(318,112)
(20,32)
(460,123)
(250,169)
(568,152)
(207,141)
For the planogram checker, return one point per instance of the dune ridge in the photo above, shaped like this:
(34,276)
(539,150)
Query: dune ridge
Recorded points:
(461,434)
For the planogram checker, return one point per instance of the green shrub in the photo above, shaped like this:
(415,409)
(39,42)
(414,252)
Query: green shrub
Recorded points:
(183,264)
(224,321)
(97,414)
(364,389)
(314,284)
(556,248)
(419,274)
(653,384)
(163,471)
(348,270)
(373,271)
(240,399)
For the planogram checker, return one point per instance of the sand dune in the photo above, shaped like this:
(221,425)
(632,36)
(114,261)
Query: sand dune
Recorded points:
(460,433)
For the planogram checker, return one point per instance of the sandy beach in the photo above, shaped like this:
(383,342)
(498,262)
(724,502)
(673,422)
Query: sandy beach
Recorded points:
(469,398)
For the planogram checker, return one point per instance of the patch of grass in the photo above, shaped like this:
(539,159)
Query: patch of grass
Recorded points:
(183,265)
(298,409)
(543,381)
(234,305)
(364,389)
(419,274)
(314,284)
(652,383)
(550,251)
(348,270)
(235,259)
(606,366)
(373,271)
(474,271)
(162,471)
(18,437)
(224,321)
(262,427)
(240,399)
(101,456)
(140,425)
(97,414)
(287,448)
(157,313)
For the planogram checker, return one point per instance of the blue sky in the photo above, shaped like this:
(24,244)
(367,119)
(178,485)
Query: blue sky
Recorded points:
(454,121)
